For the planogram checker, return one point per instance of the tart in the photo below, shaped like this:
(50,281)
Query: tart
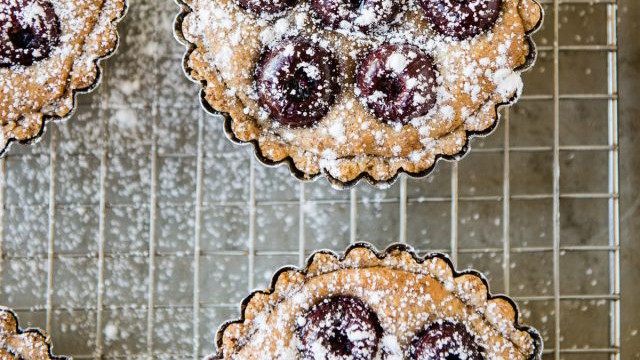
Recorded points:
(49,51)
(358,89)
(369,305)
(18,344)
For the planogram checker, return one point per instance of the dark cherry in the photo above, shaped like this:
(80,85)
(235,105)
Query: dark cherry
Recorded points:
(266,6)
(29,31)
(397,82)
(446,340)
(297,82)
(355,14)
(340,327)
(462,19)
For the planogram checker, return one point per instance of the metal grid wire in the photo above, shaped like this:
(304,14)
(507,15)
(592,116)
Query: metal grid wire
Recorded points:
(160,283)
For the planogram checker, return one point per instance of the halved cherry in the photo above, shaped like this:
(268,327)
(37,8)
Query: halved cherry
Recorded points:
(29,32)
(397,82)
(267,6)
(445,340)
(297,82)
(462,19)
(355,14)
(341,327)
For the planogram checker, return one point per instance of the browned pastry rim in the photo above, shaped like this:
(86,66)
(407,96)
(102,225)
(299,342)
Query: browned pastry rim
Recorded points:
(366,175)
(29,128)
(362,256)
(11,334)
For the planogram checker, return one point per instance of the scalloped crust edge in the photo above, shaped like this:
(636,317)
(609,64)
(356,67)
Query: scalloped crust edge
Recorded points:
(85,77)
(500,311)
(377,171)
(12,335)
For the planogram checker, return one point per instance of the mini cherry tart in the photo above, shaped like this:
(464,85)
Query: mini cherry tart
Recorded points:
(296,82)
(462,19)
(359,15)
(341,327)
(29,31)
(268,7)
(446,340)
(397,82)
(399,95)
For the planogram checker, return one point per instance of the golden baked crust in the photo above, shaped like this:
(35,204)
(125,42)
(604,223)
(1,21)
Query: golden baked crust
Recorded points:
(405,291)
(33,95)
(478,75)
(15,343)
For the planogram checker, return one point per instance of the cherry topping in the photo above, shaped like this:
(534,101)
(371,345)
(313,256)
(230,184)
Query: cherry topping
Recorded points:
(29,31)
(267,6)
(462,19)
(341,327)
(355,14)
(296,82)
(397,82)
(447,341)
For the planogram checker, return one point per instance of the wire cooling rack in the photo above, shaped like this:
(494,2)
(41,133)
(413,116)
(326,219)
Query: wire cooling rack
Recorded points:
(135,229)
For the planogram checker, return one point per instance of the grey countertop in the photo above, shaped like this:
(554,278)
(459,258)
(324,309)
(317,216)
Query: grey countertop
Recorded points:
(141,178)
(630,167)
